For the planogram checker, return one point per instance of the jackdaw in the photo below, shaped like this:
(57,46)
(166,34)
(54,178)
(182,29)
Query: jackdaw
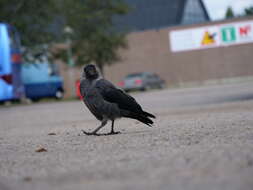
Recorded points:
(107,102)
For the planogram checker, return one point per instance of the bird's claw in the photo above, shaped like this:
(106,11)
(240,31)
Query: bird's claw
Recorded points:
(106,134)
(114,133)
(89,134)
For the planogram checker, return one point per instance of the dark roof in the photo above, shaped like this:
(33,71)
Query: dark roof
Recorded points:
(204,9)
(152,14)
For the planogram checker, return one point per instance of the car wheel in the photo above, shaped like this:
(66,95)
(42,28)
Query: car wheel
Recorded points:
(161,86)
(147,87)
(59,94)
(35,99)
(143,89)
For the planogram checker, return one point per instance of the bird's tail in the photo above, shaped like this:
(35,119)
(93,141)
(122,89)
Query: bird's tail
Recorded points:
(148,114)
(142,117)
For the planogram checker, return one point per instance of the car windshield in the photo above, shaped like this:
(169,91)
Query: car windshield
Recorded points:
(134,75)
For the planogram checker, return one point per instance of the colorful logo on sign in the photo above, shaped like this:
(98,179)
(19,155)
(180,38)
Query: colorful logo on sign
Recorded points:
(245,31)
(228,34)
(212,36)
(208,38)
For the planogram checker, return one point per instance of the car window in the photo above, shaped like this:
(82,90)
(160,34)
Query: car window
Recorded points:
(156,76)
(53,70)
(14,40)
(151,75)
(134,75)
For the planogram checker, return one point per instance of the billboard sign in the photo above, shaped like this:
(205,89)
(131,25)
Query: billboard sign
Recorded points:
(211,36)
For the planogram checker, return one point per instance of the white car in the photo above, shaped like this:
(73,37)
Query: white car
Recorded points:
(141,81)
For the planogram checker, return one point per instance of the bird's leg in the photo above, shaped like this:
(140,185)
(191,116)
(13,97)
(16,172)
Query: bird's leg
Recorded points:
(112,130)
(96,130)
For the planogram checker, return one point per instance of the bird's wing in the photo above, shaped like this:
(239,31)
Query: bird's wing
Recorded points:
(114,95)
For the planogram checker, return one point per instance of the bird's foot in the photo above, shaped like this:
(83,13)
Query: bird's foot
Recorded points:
(90,133)
(102,134)
(114,133)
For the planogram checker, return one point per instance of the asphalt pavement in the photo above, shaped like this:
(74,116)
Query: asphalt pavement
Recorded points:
(202,139)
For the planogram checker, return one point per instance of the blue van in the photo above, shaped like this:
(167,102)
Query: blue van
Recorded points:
(11,86)
(42,80)
(19,80)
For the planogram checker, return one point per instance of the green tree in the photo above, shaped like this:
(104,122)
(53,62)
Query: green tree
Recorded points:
(248,11)
(230,13)
(95,39)
(31,18)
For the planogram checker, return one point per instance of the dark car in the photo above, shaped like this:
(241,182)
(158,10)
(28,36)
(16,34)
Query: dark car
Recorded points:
(142,81)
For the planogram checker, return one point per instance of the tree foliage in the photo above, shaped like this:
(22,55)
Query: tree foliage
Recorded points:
(230,13)
(31,18)
(93,39)
(248,11)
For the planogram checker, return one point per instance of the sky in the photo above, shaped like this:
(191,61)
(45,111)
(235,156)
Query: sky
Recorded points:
(217,8)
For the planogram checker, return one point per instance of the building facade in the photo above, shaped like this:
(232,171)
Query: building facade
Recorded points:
(151,50)
(149,26)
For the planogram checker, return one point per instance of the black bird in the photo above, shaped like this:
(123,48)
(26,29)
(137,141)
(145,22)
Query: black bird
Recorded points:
(107,102)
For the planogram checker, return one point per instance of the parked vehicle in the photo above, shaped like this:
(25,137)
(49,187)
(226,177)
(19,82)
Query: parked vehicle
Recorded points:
(142,81)
(18,80)
(11,86)
(42,80)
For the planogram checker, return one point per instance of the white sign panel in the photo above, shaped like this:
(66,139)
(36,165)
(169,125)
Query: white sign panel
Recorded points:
(211,36)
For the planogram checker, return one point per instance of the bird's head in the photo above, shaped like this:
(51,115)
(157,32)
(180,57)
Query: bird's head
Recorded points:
(90,72)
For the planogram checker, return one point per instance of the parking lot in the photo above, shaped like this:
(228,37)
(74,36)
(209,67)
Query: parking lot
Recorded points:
(202,139)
